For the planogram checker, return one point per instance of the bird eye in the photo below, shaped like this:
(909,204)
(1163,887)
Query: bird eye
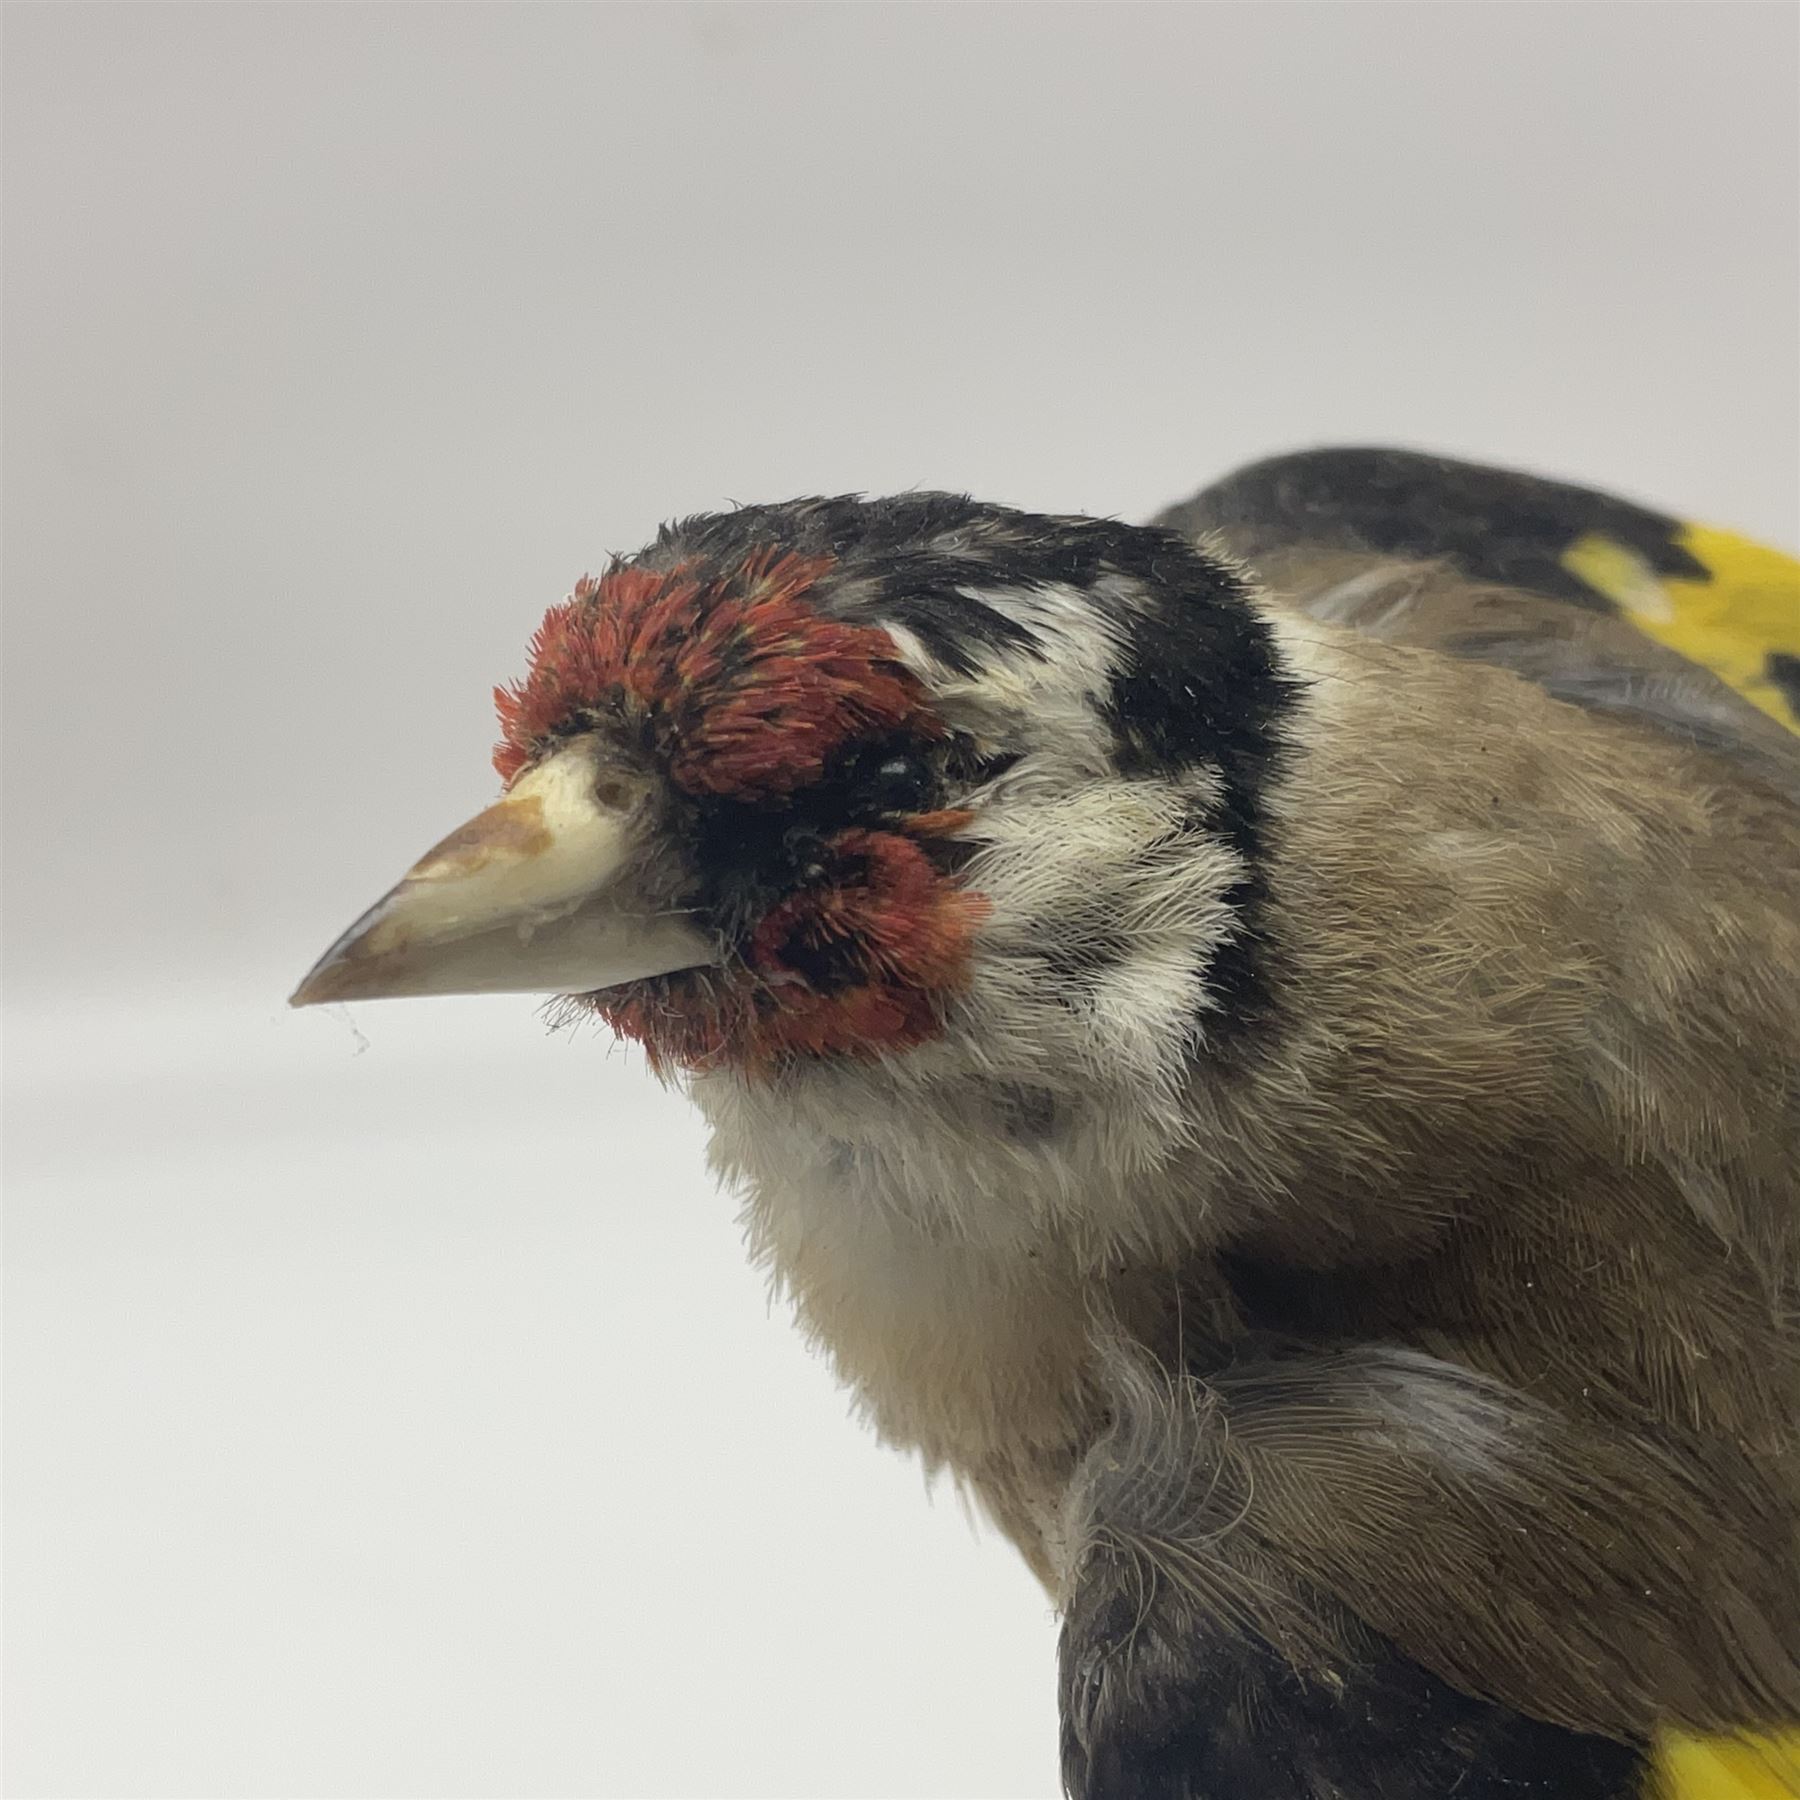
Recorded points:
(898,784)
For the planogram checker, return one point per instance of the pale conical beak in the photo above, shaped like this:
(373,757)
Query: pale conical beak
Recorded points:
(534,896)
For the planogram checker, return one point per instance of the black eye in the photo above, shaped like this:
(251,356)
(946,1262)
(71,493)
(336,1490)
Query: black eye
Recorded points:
(897,784)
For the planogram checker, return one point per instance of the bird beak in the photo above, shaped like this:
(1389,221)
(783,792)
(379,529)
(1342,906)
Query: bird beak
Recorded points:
(534,896)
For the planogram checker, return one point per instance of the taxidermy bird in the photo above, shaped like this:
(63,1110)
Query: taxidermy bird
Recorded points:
(1268,1044)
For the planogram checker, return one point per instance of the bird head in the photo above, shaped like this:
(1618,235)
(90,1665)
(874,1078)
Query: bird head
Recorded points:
(845,779)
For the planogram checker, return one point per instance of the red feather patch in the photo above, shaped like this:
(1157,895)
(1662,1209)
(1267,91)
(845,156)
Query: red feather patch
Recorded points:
(857,964)
(749,691)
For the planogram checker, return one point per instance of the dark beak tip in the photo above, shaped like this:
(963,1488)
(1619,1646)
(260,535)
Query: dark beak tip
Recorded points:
(324,982)
(333,976)
(306,994)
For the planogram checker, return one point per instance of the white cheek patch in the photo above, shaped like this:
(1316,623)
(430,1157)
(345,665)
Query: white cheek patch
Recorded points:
(1107,905)
(1045,701)
(1146,1004)
(1080,640)
(1106,896)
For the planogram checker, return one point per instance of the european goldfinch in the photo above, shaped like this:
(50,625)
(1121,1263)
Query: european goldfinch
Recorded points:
(1267,1043)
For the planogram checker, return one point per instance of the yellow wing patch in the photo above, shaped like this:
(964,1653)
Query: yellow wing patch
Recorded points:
(1716,1769)
(1742,621)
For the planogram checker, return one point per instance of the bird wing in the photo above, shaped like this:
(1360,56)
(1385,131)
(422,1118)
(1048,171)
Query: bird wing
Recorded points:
(1607,605)
(1603,603)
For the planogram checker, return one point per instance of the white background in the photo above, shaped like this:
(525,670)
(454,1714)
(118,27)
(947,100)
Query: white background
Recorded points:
(389,1411)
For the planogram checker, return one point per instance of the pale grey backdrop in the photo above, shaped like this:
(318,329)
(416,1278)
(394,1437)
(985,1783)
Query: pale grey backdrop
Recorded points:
(388,1410)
